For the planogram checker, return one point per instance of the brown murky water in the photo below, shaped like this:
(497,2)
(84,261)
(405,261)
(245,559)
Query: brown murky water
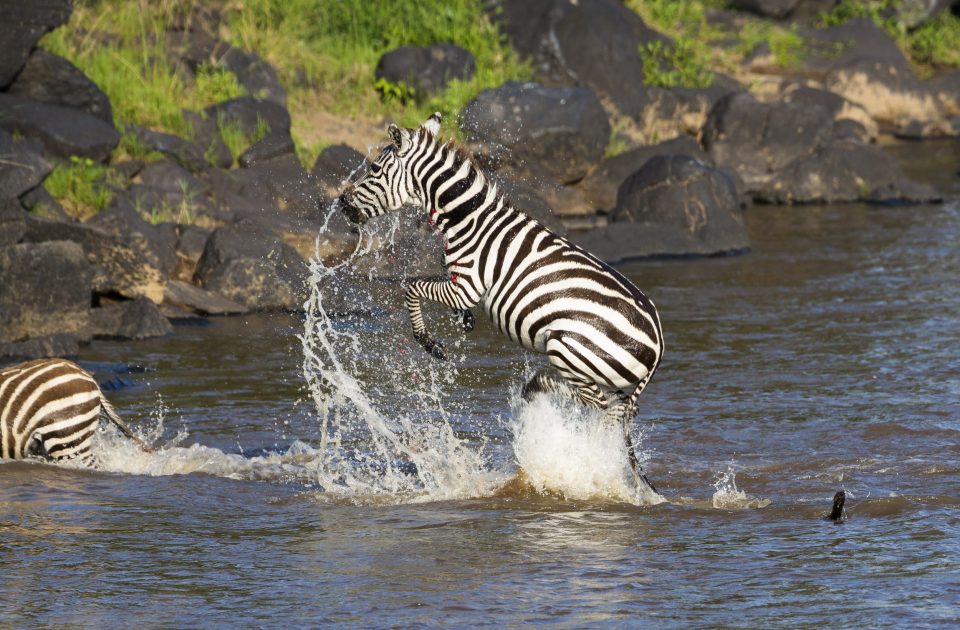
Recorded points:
(827,358)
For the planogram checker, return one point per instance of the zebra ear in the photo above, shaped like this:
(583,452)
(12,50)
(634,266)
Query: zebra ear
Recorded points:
(433,123)
(395,134)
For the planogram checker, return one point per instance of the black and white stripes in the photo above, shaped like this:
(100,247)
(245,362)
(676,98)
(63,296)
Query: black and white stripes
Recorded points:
(599,331)
(50,408)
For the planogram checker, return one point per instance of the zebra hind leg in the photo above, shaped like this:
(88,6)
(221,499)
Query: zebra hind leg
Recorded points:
(545,381)
(624,412)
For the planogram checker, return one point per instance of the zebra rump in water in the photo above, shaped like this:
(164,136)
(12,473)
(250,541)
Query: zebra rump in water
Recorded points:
(50,408)
(601,334)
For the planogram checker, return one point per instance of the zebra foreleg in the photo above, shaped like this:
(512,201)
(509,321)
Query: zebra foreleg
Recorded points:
(448,293)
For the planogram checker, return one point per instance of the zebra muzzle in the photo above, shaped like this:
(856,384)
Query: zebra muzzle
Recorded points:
(354,214)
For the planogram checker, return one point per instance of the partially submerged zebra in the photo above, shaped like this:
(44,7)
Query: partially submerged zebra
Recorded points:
(599,331)
(51,408)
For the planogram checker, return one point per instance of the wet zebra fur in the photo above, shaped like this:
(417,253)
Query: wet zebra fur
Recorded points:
(50,408)
(600,333)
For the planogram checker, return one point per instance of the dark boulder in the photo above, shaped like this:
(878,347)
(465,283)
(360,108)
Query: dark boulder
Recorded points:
(834,47)
(674,205)
(946,87)
(279,183)
(190,245)
(118,268)
(22,166)
(250,114)
(426,69)
(23,24)
(194,47)
(275,144)
(155,245)
(131,319)
(13,224)
(57,345)
(889,92)
(44,290)
(53,80)
(595,44)
(334,166)
(171,177)
(775,9)
(63,131)
(839,108)
(184,152)
(561,131)
(845,171)
(600,186)
(755,140)
(206,136)
(258,77)
(39,202)
(192,298)
(248,265)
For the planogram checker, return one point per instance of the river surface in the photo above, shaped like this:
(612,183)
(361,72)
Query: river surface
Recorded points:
(825,359)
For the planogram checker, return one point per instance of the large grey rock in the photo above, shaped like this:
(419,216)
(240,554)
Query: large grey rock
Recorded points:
(64,132)
(600,186)
(118,267)
(22,166)
(248,265)
(23,24)
(13,223)
(595,44)
(561,131)
(44,290)
(334,166)
(846,171)
(121,220)
(53,80)
(756,140)
(274,145)
(193,298)
(673,205)
(837,46)
(183,151)
(57,345)
(946,87)
(426,69)
(247,112)
(132,319)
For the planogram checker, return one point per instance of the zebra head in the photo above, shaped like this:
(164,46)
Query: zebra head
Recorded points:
(388,184)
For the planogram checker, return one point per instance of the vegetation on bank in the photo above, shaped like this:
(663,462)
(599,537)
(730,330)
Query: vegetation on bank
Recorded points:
(325,52)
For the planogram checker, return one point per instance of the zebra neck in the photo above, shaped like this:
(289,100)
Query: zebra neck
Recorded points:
(456,191)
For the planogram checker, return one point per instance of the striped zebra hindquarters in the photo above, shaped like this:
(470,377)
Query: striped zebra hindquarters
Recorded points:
(49,408)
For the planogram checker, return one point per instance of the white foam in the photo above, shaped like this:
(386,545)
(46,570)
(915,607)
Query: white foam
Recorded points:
(566,449)
(727,496)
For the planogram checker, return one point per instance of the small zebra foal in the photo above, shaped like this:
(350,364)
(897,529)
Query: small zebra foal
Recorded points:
(51,408)
(600,332)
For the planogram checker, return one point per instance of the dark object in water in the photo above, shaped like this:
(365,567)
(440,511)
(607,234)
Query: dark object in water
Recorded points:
(836,514)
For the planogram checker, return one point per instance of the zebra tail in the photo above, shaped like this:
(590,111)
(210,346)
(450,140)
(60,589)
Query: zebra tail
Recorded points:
(112,415)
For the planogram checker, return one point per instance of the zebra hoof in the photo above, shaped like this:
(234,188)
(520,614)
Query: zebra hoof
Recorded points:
(468,320)
(433,347)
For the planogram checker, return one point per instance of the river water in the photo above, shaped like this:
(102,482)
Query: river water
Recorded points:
(825,359)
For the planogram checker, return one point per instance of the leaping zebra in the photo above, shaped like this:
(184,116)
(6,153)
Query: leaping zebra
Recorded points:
(50,408)
(599,331)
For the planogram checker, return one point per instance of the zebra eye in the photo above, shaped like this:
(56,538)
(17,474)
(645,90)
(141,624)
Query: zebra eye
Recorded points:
(375,168)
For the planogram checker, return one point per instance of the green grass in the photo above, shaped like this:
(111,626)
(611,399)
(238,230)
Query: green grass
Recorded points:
(81,186)
(933,45)
(337,44)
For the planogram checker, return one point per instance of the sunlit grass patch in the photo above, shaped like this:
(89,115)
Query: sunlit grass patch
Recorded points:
(82,186)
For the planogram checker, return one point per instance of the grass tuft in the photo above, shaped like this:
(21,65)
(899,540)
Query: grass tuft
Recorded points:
(82,186)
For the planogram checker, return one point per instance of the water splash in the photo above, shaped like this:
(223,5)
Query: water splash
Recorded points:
(569,450)
(383,406)
(727,496)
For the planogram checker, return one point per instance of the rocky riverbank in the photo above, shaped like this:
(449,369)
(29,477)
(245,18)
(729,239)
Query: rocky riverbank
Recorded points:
(191,230)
